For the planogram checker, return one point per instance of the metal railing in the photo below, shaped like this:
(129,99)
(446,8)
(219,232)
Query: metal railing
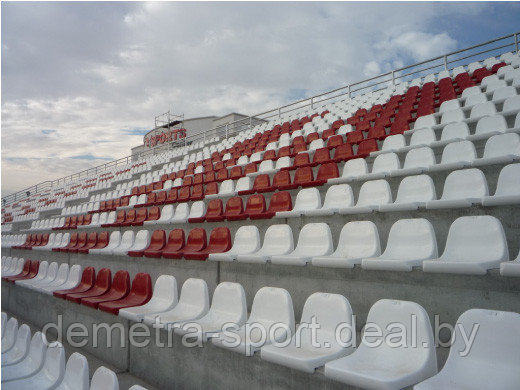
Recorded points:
(434,65)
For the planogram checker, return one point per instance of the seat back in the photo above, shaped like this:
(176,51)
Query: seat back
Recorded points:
(462,151)
(54,366)
(196,240)
(255,204)
(418,188)
(374,193)
(234,206)
(422,157)
(176,240)
(127,240)
(158,240)
(474,238)
(339,195)
(385,163)
(502,145)
(215,208)
(490,124)
(272,304)
(508,183)
(219,240)
(307,199)
(359,239)
(194,292)
(453,131)
(315,240)
(104,379)
(411,239)
(465,183)
(230,298)
(121,282)
(142,286)
(76,373)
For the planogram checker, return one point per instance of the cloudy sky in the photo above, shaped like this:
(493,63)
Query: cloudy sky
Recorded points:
(82,82)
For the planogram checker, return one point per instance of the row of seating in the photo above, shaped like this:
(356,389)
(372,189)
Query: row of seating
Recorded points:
(34,363)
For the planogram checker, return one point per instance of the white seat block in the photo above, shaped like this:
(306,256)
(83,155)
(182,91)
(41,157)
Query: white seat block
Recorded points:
(76,373)
(491,363)
(315,240)
(104,379)
(357,240)
(278,240)
(372,194)
(390,367)
(31,364)
(337,196)
(413,192)
(410,242)
(327,310)
(20,347)
(475,244)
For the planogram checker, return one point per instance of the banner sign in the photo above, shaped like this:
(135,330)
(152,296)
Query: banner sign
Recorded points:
(164,136)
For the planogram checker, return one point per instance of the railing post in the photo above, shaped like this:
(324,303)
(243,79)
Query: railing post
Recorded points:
(516,42)
(445,62)
(250,122)
(312,103)
(349,92)
(279,112)
(393,77)
(226,130)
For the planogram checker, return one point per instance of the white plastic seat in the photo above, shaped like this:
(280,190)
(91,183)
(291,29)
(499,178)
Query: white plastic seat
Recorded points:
(278,240)
(383,165)
(48,377)
(192,305)
(164,298)
(503,93)
(512,104)
(425,121)
(247,241)
(228,306)
(61,278)
(315,239)
(76,373)
(417,161)
(456,155)
(493,360)
(456,115)
(483,109)
(372,194)
(413,192)
(227,188)
(357,240)
(243,184)
(165,217)
(9,335)
(270,306)
(384,366)
(20,347)
(104,379)
(454,132)
(410,242)
(31,364)
(391,143)
(449,105)
(16,267)
(475,244)
(113,242)
(352,170)
(52,272)
(461,189)
(488,126)
(283,162)
(182,212)
(337,196)
(73,279)
(502,148)
(329,311)
(197,210)
(511,268)
(422,137)
(306,199)
(42,273)
(508,187)
(127,240)
(475,99)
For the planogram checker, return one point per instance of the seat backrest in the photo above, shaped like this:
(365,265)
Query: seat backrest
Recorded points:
(411,239)
(359,239)
(142,285)
(315,239)
(247,239)
(386,162)
(104,379)
(354,168)
(456,115)
(462,151)
(483,109)
(489,124)
(419,158)
(465,183)
(455,131)
(307,199)
(473,238)
(255,204)
(226,187)
(508,180)
(425,121)
(76,373)
(394,142)
(196,240)
(230,298)
(339,195)
(219,240)
(195,292)
(266,165)
(54,366)
(418,188)
(375,192)
(167,212)
(272,304)
(127,239)
(502,145)
(512,103)
(121,282)
(176,240)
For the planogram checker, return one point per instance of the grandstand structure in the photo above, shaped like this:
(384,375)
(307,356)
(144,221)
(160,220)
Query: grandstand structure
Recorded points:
(391,199)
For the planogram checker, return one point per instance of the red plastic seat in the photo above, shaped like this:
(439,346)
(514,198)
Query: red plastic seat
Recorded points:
(343,152)
(284,152)
(269,155)
(255,205)
(79,221)
(174,246)
(87,282)
(72,242)
(321,156)
(209,177)
(355,137)
(299,148)
(125,200)
(219,242)
(366,147)
(150,200)
(198,178)
(262,183)
(282,180)
(102,285)
(91,243)
(187,181)
(184,194)
(140,293)
(148,188)
(328,133)
(103,239)
(195,243)
(129,218)
(234,209)
(334,141)
(303,177)
(325,172)
(211,189)
(160,198)
(73,222)
(64,226)
(280,201)
(119,289)
(222,174)
(172,196)
(197,192)
(250,168)
(154,213)
(312,137)
(377,132)
(120,218)
(82,241)
(157,244)
(141,190)
(213,212)
(29,271)
(236,172)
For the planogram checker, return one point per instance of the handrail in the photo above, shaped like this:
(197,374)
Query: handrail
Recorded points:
(394,77)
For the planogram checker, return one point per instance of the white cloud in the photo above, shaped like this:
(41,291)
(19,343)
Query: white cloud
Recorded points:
(89,70)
